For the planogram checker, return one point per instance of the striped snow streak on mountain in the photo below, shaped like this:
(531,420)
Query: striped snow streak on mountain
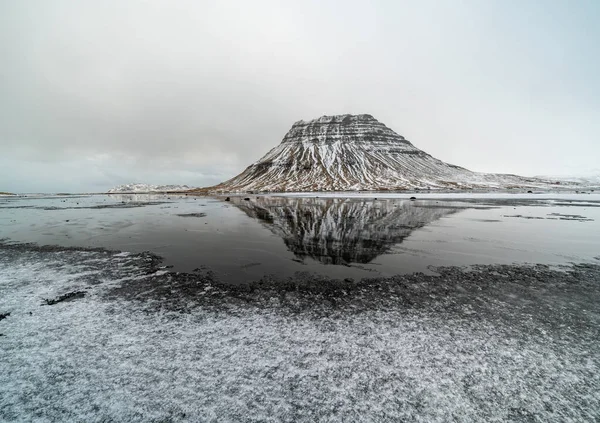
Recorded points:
(356,152)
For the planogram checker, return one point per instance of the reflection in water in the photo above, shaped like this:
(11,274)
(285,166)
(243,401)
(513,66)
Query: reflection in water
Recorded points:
(339,231)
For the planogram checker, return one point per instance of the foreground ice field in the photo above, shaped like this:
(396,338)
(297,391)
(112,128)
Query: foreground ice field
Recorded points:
(119,339)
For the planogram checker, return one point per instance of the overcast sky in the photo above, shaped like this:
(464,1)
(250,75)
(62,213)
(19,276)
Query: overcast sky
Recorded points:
(99,93)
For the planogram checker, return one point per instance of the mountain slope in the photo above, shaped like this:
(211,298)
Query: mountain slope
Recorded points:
(356,152)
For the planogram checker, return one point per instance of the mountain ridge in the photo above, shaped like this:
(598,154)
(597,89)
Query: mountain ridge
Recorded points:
(144,188)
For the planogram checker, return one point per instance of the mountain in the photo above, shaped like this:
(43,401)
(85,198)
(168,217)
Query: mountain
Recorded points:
(356,152)
(141,188)
(586,180)
(339,231)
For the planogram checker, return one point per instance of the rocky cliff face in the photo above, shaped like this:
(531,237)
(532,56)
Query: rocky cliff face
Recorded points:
(355,152)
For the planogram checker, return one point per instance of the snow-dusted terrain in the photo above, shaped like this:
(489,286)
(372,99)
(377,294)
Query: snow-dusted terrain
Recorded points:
(256,322)
(137,344)
(144,188)
(591,179)
(356,152)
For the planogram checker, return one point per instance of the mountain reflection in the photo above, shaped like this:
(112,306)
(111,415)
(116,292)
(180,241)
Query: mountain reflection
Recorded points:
(339,231)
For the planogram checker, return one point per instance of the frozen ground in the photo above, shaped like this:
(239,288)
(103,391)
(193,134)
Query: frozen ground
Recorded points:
(96,335)
(498,343)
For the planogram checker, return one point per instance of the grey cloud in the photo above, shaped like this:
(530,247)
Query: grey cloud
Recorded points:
(201,89)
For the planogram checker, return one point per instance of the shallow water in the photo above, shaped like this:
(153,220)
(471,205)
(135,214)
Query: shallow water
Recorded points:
(244,240)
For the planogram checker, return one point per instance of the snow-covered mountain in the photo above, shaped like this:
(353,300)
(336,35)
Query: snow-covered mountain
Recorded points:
(592,180)
(356,152)
(140,188)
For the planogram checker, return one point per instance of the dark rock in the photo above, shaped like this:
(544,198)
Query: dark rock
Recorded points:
(192,215)
(247,199)
(228,199)
(70,296)
(413,198)
(4,315)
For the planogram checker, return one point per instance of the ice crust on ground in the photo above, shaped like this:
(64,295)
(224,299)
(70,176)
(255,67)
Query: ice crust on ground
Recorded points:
(226,358)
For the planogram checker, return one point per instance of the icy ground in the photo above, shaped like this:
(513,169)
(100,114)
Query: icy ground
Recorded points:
(497,343)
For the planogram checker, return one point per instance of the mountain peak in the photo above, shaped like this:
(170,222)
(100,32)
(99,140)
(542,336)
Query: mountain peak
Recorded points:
(343,128)
(346,119)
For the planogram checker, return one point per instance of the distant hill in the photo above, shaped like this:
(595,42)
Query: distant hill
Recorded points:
(592,180)
(144,188)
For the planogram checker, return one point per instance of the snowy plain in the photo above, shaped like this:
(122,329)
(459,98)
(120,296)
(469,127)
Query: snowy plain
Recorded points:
(273,356)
